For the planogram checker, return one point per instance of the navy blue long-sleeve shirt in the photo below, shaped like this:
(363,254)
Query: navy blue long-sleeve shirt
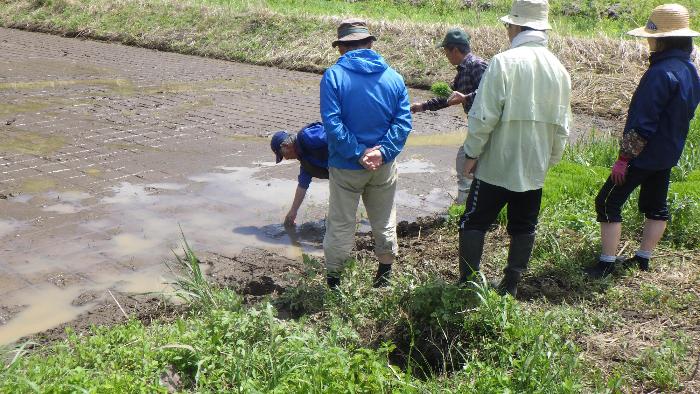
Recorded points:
(662,107)
(312,146)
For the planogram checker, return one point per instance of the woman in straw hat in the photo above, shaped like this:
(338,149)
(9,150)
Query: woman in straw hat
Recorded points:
(657,126)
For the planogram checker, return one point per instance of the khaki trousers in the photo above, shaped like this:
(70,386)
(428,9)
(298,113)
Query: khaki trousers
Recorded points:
(377,189)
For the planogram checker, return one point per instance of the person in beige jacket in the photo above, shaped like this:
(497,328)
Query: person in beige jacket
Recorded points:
(518,124)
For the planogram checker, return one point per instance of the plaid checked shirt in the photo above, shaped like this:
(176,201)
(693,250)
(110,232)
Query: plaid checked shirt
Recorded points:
(466,81)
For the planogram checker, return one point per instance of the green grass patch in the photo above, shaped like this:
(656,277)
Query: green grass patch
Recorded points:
(572,185)
(570,17)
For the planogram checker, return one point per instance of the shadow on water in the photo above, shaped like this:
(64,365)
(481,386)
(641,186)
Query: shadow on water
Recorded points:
(308,234)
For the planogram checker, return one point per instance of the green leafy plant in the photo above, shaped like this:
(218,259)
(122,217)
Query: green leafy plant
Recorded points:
(662,365)
(193,287)
(441,89)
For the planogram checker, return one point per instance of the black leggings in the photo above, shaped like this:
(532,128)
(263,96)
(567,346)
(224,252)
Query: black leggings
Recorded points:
(652,195)
(485,202)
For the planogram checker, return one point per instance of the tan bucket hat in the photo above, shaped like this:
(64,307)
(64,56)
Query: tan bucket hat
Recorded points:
(667,20)
(530,13)
(352,30)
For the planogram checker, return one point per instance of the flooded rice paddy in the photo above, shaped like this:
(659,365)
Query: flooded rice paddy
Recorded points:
(109,154)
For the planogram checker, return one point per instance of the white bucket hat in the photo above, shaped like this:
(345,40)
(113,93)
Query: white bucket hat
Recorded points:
(667,20)
(530,13)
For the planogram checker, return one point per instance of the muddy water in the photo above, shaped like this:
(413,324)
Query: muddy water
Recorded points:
(454,138)
(121,240)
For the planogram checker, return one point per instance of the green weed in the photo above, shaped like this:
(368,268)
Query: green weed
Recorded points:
(191,285)
(584,18)
(307,296)
(663,365)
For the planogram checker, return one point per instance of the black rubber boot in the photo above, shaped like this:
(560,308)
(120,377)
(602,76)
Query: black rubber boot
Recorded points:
(519,254)
(471,246)
(333,282)
(638,261)
(508,284)
(601,270)
(381,278)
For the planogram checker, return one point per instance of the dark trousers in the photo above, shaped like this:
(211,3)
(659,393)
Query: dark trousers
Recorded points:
(485,202)
(652,195)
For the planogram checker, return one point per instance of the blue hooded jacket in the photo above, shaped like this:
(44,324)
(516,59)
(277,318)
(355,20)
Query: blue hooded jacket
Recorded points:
(364,103)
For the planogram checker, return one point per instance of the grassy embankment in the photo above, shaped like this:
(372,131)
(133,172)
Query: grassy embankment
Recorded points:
(570,17)
(297,35)
(633,332)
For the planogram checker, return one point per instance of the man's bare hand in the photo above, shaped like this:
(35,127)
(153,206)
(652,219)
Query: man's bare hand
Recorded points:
(456,98)
(290,218)
(470,168)
(372,158)
(417,107)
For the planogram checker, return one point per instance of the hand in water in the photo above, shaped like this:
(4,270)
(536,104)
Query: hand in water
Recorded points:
(290,218)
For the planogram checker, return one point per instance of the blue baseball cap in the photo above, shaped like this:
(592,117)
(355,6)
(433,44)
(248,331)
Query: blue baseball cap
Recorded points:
(276,144)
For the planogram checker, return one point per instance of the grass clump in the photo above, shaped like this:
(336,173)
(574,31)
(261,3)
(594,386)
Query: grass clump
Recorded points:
(661,366)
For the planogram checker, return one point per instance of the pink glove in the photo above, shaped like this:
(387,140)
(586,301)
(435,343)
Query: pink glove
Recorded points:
(619,170)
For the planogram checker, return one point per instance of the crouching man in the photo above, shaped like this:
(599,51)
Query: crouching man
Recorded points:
(310,147)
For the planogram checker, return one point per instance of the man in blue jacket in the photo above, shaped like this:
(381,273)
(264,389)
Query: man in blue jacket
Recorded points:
(310,147)
(366,114)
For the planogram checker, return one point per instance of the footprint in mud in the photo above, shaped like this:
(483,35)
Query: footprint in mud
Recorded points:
(254,272)
(262,286)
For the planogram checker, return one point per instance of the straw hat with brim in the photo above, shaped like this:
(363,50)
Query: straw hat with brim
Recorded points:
(667,20)
(352,30)
(530,13)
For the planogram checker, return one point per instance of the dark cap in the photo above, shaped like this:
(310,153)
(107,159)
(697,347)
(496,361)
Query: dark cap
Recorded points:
(276,144)
(352,30)
(455,37)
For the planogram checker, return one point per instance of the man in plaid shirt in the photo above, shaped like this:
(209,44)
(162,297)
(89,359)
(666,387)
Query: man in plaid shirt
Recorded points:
(469,71)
